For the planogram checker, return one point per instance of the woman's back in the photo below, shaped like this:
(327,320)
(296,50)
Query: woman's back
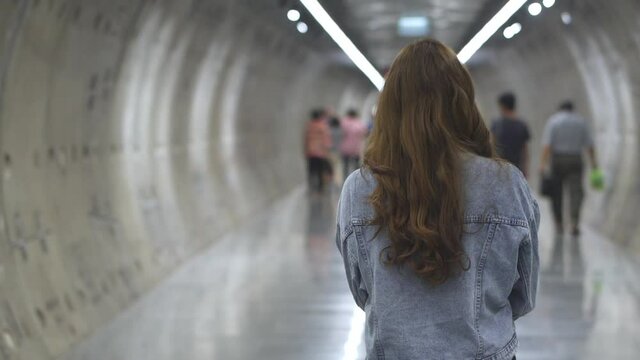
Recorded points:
(471,315)
(439,238)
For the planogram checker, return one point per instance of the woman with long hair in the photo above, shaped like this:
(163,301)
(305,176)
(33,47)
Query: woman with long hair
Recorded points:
(438,236)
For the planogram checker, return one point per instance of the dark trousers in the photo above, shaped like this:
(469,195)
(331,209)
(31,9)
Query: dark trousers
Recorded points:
(318,168)
(350,164)
(567,171)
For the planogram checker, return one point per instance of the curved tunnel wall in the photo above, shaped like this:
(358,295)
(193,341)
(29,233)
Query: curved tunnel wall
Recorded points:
(593,61)
(133,134)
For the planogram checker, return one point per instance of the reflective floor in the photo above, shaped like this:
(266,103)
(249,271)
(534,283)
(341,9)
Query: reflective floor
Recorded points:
(275,290)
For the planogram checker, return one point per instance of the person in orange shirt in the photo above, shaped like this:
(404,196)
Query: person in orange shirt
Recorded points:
(317,146)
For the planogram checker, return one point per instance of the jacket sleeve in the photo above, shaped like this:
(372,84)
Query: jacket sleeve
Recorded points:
(348,247)
(349,251)
(523,294)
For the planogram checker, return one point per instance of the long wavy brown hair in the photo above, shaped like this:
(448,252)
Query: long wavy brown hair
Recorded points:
(426,120)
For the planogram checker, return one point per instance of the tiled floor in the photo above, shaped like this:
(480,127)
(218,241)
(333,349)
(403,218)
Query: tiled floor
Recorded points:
(276,290)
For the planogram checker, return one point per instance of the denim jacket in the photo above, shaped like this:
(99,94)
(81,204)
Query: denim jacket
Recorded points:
(471,316)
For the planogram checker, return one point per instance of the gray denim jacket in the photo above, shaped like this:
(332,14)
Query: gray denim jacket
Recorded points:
(470,316)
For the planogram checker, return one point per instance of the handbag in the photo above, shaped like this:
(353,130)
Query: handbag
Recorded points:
(547,185)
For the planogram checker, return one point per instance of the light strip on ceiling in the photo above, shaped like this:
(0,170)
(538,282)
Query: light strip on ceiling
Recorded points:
(487,31)
(334,31)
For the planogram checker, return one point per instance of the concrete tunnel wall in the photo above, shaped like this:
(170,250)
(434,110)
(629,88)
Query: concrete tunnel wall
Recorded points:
(133,134)
(593,61)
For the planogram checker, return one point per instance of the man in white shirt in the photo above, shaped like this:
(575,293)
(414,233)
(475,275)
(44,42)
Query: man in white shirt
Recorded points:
(566,137)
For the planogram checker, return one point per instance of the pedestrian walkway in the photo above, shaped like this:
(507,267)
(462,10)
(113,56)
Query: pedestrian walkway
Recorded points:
(275,290)
(272,290)
(588,304)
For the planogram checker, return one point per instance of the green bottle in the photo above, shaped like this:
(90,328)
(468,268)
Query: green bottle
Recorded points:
(597,179)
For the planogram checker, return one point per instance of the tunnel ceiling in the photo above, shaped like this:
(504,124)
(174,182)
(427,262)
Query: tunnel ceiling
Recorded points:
(376,22)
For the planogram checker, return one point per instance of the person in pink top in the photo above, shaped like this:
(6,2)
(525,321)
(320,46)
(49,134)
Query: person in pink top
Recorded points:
(354,132)
(317,147)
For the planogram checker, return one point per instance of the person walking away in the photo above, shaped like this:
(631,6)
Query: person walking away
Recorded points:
(439,237)
(317,146)
(511,134)
(565,138)
(336,140)
(354,132)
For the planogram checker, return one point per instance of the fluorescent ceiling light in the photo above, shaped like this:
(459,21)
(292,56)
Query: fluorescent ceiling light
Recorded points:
(343,41)
(302,27)
(548,3)
(413,26)
(535,9)
(487,31)
(512,30)
(508,34)
(293,15)
(516,28)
